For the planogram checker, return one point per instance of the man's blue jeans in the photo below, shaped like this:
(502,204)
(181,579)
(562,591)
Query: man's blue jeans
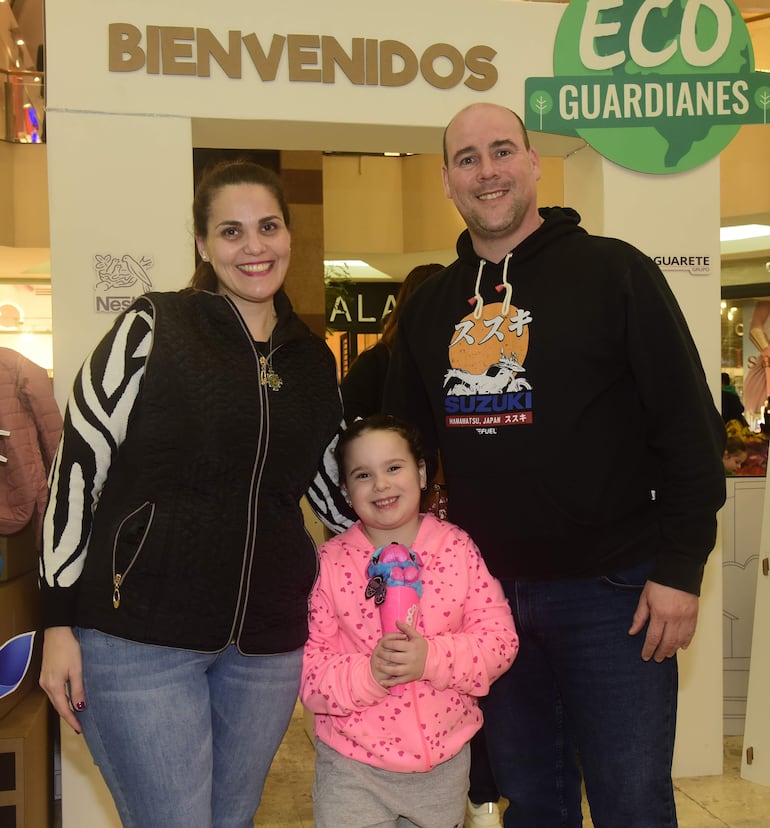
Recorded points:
(184,739)
(579,697)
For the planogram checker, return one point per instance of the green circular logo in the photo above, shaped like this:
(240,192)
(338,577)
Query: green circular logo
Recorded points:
(673,69)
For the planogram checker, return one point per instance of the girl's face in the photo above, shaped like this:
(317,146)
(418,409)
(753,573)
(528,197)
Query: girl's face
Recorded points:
(247,243)
(384,482)
(734,461)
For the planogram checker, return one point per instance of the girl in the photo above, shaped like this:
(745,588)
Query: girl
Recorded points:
(394,712)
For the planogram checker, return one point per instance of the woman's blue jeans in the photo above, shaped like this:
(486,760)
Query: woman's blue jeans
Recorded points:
(184,739)
(579,697)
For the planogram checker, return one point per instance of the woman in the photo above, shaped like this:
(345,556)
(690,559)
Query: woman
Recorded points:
(176,568)
(363,384)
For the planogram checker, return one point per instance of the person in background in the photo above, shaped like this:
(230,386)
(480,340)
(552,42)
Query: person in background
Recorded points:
(30,423)
(735,454)
(382,757)
(539,345)
(176,567)
(362,386)
(732,407)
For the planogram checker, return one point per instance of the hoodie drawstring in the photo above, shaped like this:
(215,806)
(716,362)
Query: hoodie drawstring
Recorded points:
(506,286)
(476,300)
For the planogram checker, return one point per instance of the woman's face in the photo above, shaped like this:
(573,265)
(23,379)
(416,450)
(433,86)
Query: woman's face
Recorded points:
(247,243)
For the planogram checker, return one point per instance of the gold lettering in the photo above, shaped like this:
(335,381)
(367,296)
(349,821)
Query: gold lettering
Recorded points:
(333,54)
(303,50)
(266,65)
(153,50)
(452,54)
(229,59)
(176,45)
(185,50)
(372,64)
(478,59)
(125,54)
(389,75)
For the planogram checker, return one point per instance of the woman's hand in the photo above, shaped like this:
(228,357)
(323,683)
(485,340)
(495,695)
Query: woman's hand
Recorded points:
(61,674)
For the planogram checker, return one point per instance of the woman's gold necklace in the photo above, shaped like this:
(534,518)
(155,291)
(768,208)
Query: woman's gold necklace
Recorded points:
(268,376)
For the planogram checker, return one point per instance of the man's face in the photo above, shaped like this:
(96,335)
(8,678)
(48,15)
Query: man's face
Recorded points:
(490,174)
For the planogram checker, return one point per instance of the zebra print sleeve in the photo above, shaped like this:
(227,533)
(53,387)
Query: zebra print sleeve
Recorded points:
(95,423)
(324,495)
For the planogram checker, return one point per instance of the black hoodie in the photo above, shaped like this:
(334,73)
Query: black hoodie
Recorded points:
(566,396)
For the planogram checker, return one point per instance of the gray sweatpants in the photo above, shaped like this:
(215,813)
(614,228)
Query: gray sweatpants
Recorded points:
(351,794)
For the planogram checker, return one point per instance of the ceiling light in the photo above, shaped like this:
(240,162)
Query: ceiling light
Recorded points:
(743,231)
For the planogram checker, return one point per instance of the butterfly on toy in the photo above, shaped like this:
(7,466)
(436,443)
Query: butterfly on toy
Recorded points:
(376,589)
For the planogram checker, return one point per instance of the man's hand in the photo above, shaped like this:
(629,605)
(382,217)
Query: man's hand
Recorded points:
(673,615)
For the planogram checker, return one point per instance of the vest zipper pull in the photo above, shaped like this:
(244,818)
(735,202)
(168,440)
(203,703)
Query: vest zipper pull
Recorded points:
(116,590)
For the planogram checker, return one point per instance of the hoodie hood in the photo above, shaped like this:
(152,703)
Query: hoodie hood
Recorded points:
(557,222)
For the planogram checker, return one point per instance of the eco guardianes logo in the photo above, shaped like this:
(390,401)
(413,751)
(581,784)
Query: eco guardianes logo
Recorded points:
(657,86)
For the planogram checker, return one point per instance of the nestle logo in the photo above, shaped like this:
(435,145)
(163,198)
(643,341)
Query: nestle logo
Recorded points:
(113,304)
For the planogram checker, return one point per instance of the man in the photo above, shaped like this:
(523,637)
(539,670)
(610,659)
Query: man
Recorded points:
(533,363)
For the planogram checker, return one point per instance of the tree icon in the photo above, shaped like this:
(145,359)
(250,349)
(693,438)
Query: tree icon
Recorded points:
(541,104)
(763,100)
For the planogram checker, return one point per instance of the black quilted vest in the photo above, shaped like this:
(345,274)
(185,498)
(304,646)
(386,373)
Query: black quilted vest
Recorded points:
(199,519)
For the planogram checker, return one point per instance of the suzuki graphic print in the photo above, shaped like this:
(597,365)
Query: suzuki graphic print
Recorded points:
(486,386)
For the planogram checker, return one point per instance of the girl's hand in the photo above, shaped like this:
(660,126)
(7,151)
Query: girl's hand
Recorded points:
(399,658)
(61,674)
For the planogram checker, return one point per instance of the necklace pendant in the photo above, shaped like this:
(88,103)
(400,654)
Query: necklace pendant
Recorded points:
(262,370)
(274,382)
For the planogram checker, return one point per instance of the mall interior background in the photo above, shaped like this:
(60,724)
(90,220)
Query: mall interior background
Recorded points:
(387,214)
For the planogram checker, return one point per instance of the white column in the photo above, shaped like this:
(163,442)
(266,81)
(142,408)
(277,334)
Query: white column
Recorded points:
(119,186)
(673,215)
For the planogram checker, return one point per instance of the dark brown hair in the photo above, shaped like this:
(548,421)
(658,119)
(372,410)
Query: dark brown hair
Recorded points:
(415,277)
(377,422)
(224,174)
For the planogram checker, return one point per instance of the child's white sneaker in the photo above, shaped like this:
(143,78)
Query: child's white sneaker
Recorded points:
(486,815)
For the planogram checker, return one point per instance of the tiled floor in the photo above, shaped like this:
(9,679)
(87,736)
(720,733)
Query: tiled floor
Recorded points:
(725,801)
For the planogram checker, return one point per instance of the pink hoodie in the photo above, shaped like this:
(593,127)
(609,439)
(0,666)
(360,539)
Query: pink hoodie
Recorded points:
(471,641)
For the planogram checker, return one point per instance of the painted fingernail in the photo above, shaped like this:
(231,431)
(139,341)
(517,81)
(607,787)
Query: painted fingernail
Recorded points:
(81,705)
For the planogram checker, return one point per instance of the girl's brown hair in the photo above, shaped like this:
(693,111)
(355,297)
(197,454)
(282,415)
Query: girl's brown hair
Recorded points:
(378,422)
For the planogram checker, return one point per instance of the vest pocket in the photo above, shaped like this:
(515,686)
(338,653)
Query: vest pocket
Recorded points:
(129,540)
